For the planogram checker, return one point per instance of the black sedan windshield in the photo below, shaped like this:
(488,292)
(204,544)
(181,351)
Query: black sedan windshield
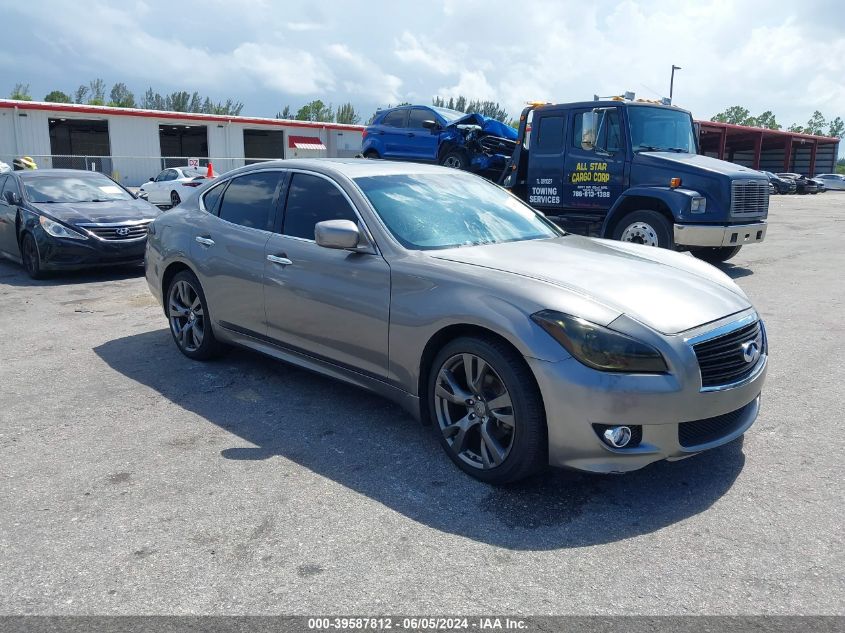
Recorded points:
(75,188)
(429,211)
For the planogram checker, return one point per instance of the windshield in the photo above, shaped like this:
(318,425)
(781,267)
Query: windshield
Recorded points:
(430,211)
(449,115)
(191,172)
(661,129)
(81,188)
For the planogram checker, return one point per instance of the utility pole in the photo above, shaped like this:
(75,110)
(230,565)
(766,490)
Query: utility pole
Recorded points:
(672,81)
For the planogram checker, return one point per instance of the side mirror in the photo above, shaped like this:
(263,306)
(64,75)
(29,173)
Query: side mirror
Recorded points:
(589,130)
(143,195)
(430,124)
(339,234)
(12,198)
(152,179)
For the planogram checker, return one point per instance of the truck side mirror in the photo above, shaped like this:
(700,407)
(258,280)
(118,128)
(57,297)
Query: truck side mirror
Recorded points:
(589,130)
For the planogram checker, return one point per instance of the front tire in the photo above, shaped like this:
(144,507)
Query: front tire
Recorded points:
(174,199)
(30,257)
(647,227)
(371,154)
(487,410)
(455,159)
(716,255)
(190,323)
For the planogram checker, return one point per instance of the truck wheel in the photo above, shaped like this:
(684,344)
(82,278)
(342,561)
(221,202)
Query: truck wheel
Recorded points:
(645,227)
(454,159)
(716,254)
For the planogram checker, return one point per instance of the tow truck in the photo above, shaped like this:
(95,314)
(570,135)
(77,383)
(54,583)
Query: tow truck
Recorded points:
(630,170)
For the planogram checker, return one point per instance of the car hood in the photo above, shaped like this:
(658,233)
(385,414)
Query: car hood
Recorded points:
(489,125)
(697,162)
(668,291)
(103,212)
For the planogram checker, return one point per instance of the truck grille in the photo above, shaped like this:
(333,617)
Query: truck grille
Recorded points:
(749,197)
(118,232)
(700,432)
(721,359)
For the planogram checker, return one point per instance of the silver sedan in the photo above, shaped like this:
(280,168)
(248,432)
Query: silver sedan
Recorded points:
(520,344)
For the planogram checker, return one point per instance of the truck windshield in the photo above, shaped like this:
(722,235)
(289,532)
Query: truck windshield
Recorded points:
(661,129)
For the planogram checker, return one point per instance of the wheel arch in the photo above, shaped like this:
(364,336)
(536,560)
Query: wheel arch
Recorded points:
(657,200)
(173,269)
(443,337)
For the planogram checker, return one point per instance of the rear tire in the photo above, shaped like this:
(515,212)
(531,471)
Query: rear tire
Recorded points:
(174,199)
(189,319)
(647,227)
(30,257)
(371,154)
(494,427)
(716,255)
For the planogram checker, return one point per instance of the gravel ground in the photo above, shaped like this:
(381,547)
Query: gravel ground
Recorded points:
(135,481)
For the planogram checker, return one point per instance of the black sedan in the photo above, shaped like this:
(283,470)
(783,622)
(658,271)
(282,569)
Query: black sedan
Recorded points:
(67,219)
(802,183)
(781,185)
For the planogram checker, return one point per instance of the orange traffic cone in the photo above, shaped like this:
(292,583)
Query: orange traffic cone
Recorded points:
(210,172)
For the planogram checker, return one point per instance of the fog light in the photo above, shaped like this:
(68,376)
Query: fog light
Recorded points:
(617,436)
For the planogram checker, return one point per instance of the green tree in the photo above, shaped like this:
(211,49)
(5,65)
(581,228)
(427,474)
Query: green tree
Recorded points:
(837,128)
(816,124)
(315,111)
(97,90)
(346,114)
(21,92)
(57,96)
(736,115)
(121,96)
(767,120)
(152,100)
(80,94)
(285,113)
(798,129)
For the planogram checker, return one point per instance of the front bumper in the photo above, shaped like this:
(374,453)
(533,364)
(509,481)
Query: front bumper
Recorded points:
(720,235)
(576,398)
(65,254)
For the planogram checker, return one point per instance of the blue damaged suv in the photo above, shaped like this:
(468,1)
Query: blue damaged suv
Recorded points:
(439,135)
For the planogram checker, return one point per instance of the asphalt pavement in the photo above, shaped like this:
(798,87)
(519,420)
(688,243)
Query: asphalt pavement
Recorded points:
(135,481)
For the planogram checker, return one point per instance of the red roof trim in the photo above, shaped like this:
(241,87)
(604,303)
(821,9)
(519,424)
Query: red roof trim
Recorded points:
(161,114)
(294,141)
(732,127)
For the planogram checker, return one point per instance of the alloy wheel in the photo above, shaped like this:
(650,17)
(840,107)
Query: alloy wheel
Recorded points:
(475,411)
(640,233)
(186,315)
(30,255)
(174,198)
(453,162)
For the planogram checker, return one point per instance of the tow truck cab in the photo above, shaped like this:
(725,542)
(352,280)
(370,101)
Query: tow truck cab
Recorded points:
(631,171)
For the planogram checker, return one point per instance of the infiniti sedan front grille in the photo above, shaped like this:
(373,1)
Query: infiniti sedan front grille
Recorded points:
(700,432)
(118,232)
(730,358)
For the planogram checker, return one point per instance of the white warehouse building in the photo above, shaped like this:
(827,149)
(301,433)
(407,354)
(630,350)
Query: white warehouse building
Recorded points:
(133,145)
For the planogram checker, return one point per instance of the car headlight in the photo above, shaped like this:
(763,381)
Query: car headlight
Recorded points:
(698,205)
(599,347)
(59,230)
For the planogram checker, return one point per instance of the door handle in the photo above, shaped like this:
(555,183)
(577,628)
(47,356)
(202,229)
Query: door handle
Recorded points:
(276,259)
(205,241)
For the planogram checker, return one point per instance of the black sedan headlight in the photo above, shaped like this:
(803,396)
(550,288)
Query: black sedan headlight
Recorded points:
(599,347)
(59,230)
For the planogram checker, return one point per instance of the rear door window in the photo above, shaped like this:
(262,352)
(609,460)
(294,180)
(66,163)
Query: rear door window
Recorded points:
(312,199)
(250,200)
(211,199)
(397,118)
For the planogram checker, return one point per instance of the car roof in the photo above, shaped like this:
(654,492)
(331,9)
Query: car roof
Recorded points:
(35,173)
(349,167)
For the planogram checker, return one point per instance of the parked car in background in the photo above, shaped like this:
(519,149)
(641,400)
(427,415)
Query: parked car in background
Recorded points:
(802,183)
(780,185)
(521,345)
(834,182)
(169,187)
(62,219)
(819,183)
(438,135)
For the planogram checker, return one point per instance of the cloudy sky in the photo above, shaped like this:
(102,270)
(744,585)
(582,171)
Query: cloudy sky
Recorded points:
(784,56)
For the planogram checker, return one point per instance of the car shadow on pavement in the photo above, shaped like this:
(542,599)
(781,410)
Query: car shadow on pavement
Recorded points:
(373,447)
(13,274)
(733,271)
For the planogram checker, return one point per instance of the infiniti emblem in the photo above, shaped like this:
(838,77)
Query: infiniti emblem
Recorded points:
(750,351)
(122,231)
